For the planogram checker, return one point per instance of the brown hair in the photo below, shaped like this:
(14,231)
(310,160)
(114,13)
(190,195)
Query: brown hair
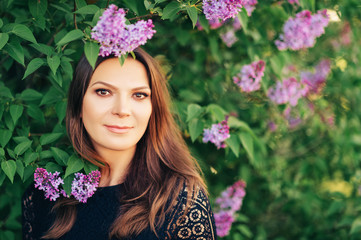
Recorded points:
(161,157)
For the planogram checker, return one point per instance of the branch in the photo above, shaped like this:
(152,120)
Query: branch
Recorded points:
(75,25)
(144,16)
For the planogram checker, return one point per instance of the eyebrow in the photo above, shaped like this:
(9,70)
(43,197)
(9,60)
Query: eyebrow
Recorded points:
(111,86)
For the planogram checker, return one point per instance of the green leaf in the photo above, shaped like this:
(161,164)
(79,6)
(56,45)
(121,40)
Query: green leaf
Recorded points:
(9,121)
(52,96)
(245,230)
(30,94)
(122,58)
(53,63)
(49,138)
(35,112)
(38,7)
(2,178)
(88,9)
(53,167)
(9,168)
(5,136)
(67,184)
(195,128)
(356,226)
(30,157)
(60,156)
(132,5)
(243,18)
(4,37)
(216,112)
(22,147)
(60,109)
(171,10)
(2,152)
(193,111)
(1,111)
(43,48)
(1,23)
(247,142)
(80,3)
(91,50)
(33,65)
(234,143)
(15,51)
(193,14)
(16,111)
(89,167)
(29,171)
(24,32)
(70,36)
(20,168)
(75,164)
(5,92)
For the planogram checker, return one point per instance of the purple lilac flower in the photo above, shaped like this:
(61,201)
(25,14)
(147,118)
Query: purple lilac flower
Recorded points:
(272,126)
(224,220)
(287,91)
(84,186)
(217,134)
(228,204)
(48,182)
(250,6)
(115,37)
(316,81)
(229,38)
(249,78)
(222,9)
(301,32)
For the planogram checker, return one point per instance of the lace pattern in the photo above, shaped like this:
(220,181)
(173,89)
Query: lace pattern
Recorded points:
(197,224)
(28,215)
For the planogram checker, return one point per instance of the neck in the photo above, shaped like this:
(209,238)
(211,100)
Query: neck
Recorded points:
(118,162)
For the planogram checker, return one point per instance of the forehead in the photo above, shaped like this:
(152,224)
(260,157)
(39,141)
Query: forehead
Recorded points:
(131,73)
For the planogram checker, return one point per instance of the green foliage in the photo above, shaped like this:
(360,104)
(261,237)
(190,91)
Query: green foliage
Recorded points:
(302,182)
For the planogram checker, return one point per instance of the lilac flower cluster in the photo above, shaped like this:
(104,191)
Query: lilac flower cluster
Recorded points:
(48,182)
(222,9)
(228,204)
(249,78)
(217,134)
(287,91)
(301,32)
(316,81)
(115,37)
(83,186)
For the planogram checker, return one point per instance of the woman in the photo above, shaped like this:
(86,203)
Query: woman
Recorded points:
(118,118)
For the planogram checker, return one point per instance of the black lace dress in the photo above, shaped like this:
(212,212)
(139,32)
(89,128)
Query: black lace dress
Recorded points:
(96,216)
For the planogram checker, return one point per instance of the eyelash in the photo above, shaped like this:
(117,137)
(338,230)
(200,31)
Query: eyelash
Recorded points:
(98,91)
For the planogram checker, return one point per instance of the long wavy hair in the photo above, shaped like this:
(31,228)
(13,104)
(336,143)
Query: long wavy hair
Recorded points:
(161,166)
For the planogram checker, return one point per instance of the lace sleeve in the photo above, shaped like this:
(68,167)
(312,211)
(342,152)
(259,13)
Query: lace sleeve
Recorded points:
(28,214)
(197,224)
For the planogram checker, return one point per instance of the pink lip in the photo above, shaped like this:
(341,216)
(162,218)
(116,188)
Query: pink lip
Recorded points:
(118,129)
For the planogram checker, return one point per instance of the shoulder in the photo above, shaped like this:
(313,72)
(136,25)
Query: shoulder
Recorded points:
(192,216)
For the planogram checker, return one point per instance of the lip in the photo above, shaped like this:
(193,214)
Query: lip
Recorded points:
(118,129)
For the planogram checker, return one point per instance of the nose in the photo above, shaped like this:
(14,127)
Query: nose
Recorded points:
(121,106)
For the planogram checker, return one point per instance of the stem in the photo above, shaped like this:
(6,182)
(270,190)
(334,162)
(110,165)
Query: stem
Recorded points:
(144,16)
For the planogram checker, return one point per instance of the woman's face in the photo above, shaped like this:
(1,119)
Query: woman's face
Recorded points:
(117,105)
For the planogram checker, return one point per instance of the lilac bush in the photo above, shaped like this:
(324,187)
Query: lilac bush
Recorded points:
(316,81)
(222,9)
(84,186)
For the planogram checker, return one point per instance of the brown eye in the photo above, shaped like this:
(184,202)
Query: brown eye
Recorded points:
(140,95)
(102,92)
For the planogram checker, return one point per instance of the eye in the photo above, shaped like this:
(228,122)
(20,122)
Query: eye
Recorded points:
(102,92)
(140,95)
